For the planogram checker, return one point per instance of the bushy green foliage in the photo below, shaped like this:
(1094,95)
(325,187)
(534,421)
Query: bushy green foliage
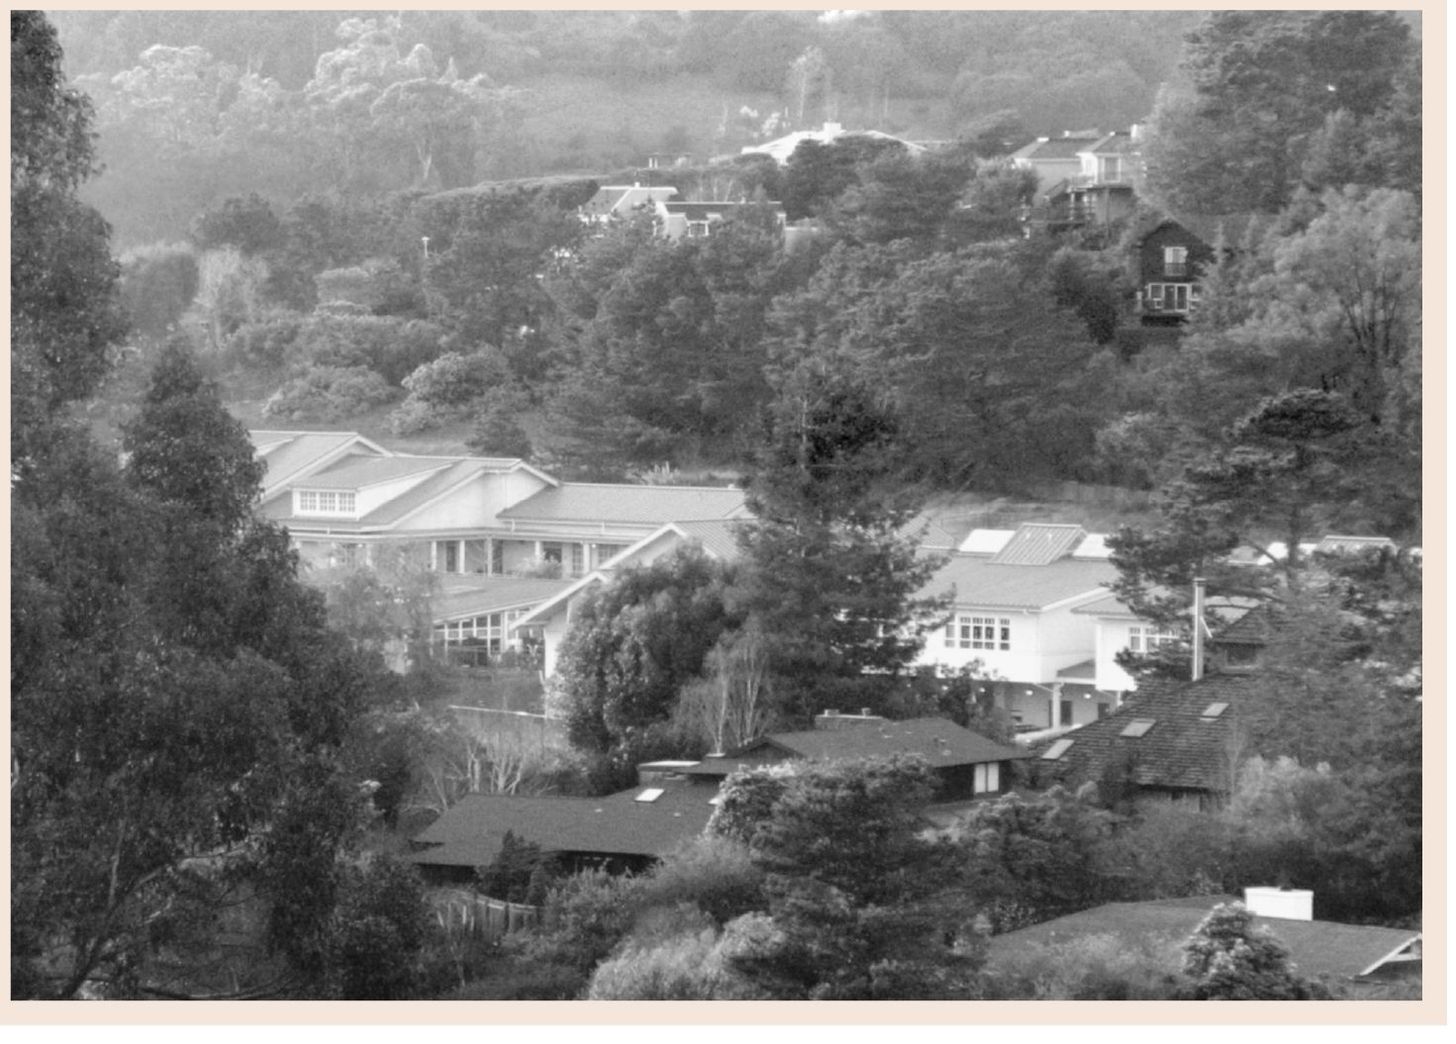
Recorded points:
(512,875)
(712,872)
(382,925)
(689,966)
(635,642)
(1032,858)
(1095,967)
(861,905)
(328,394)
(157,285)
(1227,958)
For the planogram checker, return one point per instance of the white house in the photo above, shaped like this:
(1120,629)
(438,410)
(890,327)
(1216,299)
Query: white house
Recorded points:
(1014,612)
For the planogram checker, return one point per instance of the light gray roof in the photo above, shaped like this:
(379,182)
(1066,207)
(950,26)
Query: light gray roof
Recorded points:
(603,502)
(980,582)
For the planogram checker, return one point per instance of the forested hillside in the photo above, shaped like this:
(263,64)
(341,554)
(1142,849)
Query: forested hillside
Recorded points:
(371,222)
(195,106)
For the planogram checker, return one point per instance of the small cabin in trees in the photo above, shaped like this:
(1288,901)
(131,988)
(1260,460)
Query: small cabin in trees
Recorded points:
(1172,258)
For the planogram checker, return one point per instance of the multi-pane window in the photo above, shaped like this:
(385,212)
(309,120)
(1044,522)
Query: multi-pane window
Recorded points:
(1175,261)
(1172,297)
(325,502)
(987,778)
(489,630)
(1144,639)
(979,632)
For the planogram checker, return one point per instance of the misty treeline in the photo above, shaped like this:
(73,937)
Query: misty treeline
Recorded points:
(195,106)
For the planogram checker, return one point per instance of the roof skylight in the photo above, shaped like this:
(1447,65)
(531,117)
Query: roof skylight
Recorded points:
(650,794)
(1213,710)
(1056,750)
(1139,726)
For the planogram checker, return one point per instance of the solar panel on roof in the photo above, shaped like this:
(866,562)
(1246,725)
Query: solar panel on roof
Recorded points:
(1138,727)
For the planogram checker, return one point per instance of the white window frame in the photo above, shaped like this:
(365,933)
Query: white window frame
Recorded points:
(1145,638)
(330,502)
(986,633)
(1159,293)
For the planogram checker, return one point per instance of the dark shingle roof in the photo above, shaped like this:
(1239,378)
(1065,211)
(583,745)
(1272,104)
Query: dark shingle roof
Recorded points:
(1182,749)
(1318,949)
(470,833)
(942,743)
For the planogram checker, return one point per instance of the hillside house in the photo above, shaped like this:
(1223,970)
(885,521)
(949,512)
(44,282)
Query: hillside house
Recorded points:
(1055,160)
(674,800)
(677,219)
(1013,612)
(1100,193)
(1171,257)
(1345,955)
(488,525)
(613,203)
(1170,741)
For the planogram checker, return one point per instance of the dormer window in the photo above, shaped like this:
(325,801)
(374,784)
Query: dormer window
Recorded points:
(325,502)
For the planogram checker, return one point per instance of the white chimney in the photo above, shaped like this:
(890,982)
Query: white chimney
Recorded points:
(1291,904)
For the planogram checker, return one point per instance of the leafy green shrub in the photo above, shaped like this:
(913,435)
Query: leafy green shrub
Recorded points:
(714,873)
(380,931)
(689,965)
(329,393)
(1095,967)
(1228,958)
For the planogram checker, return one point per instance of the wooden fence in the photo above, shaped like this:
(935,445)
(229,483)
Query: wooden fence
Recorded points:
(465,913)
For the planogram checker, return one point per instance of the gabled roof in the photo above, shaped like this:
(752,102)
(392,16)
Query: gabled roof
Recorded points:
(288,454)
(613,200)
(463,597)
(602,502)
(1118,143)
(470,833)
(1063,148)
(980,582)
(1181,749)
(1318,949)
(942,743)
(360,472)
(1109,606)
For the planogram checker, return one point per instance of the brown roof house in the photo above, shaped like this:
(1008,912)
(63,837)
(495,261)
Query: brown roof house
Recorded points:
(1341,955)
(1169,741)
(674,799)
